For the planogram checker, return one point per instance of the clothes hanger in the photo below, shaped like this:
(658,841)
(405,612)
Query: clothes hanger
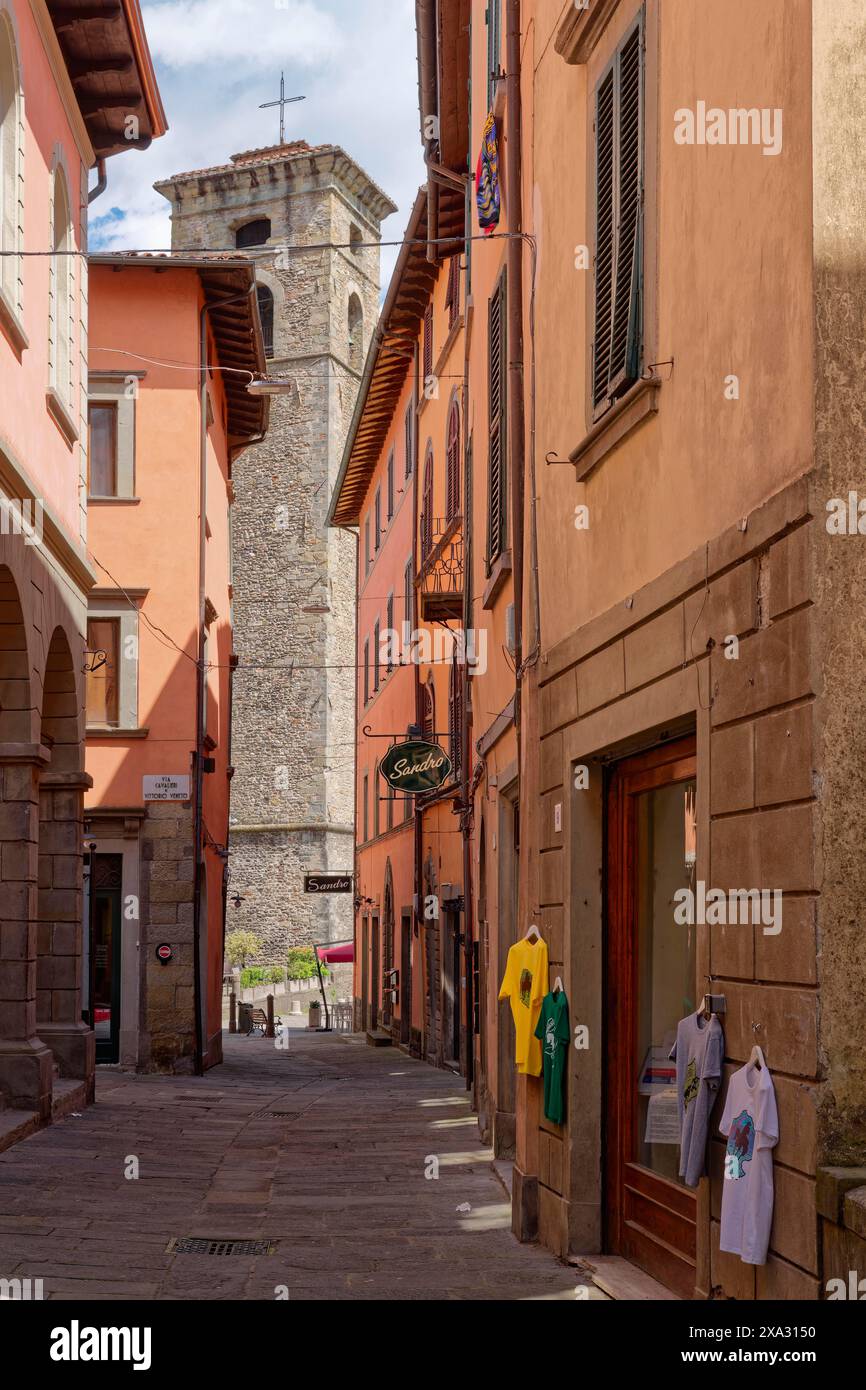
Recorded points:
(558,987)
(533,931)
(756,1056)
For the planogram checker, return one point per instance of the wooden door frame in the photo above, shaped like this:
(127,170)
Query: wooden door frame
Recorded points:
(109,1052)
(406,976)
(661,766)
(375,970)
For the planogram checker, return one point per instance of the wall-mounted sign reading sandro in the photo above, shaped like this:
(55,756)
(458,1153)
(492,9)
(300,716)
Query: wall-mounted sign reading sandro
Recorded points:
(415,766)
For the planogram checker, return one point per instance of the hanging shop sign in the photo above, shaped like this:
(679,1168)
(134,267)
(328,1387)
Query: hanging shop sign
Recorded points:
(415,766)
(167,786)
(328,883)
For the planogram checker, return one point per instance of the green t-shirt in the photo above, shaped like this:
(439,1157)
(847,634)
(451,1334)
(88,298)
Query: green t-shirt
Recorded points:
(555,1034)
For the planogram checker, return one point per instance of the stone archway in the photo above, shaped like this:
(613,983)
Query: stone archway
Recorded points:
(25,1061)
(59,900)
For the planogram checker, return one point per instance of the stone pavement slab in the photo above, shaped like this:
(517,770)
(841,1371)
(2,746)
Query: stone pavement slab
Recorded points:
(338,1186)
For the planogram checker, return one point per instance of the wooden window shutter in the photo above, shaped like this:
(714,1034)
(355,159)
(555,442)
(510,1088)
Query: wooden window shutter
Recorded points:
(410,439)
(453,463)
(377,514)
(367,671)
(391,485)
(498,405)
(389,622)
(455,719)
(407,603)
(428,342)
(618,223)
(376,655)
(429,715)
(427,509)
(452,298)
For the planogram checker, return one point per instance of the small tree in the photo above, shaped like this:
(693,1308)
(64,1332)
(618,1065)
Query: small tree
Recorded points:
(302,963)
(240,945)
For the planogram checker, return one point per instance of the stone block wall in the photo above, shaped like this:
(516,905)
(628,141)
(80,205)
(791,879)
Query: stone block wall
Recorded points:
(167,1024)
(294,579)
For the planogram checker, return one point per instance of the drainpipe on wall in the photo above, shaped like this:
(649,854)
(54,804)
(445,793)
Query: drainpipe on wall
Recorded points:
(513,175)
(469,925)
(418,827)
(101,182)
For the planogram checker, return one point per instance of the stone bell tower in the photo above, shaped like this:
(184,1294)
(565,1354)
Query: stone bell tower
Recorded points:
(306,216)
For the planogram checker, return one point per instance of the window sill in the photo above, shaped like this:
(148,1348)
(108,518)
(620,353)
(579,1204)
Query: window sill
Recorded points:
(641,401)
(12,326)
(498,575)
(581,30)
(98,731)
(116,501)
(59,412)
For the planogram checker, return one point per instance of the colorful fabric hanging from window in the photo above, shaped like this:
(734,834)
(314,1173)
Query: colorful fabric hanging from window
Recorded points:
(487,179)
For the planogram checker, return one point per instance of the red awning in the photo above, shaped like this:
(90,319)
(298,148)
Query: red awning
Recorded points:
(337,955)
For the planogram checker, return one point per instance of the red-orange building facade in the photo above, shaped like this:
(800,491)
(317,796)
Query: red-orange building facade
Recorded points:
(60,119)
(174,343)
(401,485)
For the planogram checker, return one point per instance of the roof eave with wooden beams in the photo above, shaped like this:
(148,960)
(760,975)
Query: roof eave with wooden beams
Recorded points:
(389,359)
(443,35)
(108,60)
(236,327)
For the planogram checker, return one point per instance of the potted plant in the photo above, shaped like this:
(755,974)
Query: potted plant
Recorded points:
(314,1014)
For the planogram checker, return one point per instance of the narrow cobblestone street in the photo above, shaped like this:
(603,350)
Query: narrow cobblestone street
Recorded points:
(320,1150)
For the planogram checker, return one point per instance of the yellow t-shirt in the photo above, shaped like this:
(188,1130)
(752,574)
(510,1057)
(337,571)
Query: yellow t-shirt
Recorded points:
(525,984)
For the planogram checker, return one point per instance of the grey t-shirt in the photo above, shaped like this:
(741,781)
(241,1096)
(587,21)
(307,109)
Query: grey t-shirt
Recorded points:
(699,1051)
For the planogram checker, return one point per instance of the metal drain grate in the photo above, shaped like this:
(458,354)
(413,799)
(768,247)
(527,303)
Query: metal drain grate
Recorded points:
(275,1115)
(195,1245)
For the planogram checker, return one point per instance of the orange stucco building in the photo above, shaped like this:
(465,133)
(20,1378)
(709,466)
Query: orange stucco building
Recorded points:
(174,343)
(53,130)
(401,485)
(656,381)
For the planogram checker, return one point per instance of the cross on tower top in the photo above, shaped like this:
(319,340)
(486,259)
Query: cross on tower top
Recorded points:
(283,102)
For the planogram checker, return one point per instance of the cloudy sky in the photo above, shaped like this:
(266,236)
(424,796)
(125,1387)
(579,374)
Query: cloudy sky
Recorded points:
(216,60)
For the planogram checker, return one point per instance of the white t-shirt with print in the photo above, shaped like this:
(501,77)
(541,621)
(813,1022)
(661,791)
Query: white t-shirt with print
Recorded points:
(751,1124)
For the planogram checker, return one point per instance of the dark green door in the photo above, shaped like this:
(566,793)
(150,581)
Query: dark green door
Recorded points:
(106,890)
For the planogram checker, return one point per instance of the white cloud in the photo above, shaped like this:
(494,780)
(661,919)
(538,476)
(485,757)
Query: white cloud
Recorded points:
(195,33)
(361,94)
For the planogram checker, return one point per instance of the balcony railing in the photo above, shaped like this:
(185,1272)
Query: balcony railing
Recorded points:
(442,569)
